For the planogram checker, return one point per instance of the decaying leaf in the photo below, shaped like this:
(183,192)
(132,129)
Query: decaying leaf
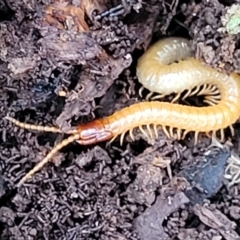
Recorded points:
(69,47)
(215,219)
(63,15)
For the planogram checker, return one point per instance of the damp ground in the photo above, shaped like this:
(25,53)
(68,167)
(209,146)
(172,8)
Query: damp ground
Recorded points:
(65,63)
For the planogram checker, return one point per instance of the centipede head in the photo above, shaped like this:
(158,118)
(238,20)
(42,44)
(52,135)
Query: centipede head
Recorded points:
(93,132)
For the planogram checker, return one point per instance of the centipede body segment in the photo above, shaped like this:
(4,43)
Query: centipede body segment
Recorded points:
(158,71)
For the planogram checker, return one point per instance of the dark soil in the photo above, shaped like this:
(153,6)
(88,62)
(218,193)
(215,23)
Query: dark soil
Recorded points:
(65,70)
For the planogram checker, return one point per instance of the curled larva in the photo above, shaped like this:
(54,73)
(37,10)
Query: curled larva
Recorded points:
(168,67)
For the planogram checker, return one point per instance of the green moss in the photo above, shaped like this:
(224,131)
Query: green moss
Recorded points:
(231,20)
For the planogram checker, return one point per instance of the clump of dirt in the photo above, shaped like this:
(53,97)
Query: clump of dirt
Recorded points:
(207,29)
(63,63)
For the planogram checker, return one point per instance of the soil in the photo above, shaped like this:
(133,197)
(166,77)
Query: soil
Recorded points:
(64,63)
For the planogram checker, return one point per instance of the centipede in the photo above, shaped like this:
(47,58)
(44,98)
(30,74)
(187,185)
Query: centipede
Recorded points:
(166,67)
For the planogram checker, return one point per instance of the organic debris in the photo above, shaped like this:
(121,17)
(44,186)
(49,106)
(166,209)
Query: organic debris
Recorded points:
(66,62)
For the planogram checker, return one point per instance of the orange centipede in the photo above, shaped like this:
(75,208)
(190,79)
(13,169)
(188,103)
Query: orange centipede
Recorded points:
(157,66)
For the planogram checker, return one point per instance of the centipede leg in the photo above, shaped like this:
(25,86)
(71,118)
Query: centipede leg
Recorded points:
(205,88)
(149,96)
(122,138)
(184,134)
(214,134)
(112,140)
(166,131)
(131,134)
(179,133)
(208,134)
(210,102)
(187,94)
(159,96)
(171,132)
(150,131)
(140,91)
(212,90)
(217,98)
(208,90)
(155,130)
(196,137)
(222,136)
(176,98)
(195,91)
(232,130)
(143,131)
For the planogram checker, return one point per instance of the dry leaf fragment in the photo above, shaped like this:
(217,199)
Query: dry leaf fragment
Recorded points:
(149,224)
(62,15)
(217,220)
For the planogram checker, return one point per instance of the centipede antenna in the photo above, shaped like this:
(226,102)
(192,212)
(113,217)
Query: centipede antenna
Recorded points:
(59,146)
(32,126)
